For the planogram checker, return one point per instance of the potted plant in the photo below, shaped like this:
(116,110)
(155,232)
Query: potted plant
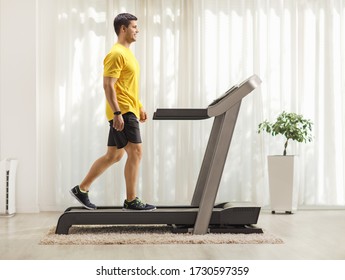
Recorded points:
(282,170)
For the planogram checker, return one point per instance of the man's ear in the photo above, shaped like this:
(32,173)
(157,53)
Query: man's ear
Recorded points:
(123,28)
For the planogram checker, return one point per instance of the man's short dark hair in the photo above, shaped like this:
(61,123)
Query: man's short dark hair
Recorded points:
(122,19)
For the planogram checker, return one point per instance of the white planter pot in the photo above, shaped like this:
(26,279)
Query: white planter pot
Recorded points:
(282,175)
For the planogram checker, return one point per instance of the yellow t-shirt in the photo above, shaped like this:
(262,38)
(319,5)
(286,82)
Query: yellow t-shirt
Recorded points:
(121,63)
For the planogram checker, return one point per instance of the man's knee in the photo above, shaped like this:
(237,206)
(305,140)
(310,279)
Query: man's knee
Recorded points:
(114,155)
(134,150)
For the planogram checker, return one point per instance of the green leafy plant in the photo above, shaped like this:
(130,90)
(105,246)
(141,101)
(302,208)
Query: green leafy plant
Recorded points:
(291,126)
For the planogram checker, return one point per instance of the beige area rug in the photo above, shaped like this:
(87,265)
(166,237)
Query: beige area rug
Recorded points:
(139,235)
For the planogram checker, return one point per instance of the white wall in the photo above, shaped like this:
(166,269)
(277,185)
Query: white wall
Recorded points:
(46,34)
(18,96)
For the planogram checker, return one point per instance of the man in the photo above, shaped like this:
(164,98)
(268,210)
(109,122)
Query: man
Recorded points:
(123,110)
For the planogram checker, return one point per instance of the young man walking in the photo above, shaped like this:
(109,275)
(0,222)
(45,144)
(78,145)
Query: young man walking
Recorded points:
(124,111)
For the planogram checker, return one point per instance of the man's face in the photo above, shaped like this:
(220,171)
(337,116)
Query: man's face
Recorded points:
(131,31)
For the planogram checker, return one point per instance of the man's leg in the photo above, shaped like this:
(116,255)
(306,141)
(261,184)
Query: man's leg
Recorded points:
(100,165)
(134,153)
(80,192)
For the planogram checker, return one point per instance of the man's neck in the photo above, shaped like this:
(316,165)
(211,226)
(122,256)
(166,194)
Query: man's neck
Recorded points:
(124,43)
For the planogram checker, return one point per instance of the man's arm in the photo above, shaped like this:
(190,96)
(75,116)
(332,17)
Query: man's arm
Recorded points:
(110,94)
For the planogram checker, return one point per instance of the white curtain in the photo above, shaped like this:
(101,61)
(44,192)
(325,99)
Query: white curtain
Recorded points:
(190,52)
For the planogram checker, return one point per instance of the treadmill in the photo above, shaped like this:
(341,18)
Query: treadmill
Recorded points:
(202,215)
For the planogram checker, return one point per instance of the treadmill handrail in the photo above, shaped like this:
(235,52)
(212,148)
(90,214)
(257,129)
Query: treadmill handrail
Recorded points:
(180,114)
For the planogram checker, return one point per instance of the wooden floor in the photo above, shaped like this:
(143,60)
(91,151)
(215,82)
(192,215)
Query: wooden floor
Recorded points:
(308,235)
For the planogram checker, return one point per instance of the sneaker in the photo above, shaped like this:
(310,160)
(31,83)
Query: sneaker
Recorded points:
(137,204)
(83,198)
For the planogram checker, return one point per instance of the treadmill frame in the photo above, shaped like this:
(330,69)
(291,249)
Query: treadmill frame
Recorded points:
(225,110)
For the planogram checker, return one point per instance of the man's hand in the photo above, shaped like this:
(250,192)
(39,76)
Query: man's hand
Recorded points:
(143,115)
(118,122)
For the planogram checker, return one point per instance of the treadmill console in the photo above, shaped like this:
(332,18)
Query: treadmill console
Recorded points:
(231,90)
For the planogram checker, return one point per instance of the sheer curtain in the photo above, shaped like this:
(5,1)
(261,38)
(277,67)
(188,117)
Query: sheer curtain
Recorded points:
(190,52)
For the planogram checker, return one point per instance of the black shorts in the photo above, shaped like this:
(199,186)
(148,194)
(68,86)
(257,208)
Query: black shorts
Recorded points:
(130,133)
